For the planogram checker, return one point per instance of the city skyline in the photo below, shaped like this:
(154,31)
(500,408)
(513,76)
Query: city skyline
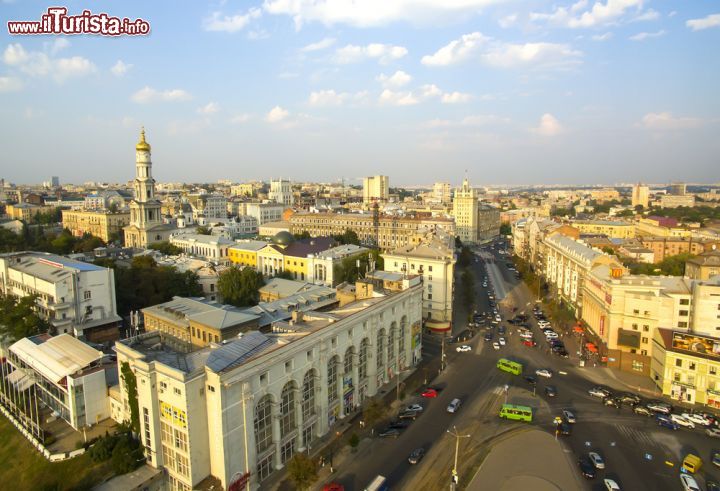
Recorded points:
(603,92)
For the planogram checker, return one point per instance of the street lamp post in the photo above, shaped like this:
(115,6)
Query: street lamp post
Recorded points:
(454,478)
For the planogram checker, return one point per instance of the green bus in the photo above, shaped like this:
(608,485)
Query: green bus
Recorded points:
(510,366)
(516,413)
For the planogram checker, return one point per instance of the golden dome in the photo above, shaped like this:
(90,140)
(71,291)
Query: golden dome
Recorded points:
(142,144)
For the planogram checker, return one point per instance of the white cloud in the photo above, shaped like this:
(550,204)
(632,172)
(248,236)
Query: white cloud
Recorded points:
(508,21)
(456,51)
(240,118)
(538,54)
(712,20)
(672,13)
(602,37)
(431,90)
(455,98)
(276,115)
(468,121)
(503,55)
(600,14)
(649,14)
(397,79)
(328,98)
(384,53)
(666,121)
(39,64)
(10,84)
(642,36)
(320,45)
(549,126)
(218,22)
(209,108)
(389,97)
(369,13)
(148,94)
(120,68)
(58,45)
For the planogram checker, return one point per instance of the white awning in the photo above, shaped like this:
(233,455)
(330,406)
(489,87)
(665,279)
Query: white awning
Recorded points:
(57,357)
(20,379)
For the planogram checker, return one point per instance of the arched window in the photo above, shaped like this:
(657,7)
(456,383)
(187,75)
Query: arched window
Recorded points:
(391,342)
(380,350)
(401,334)
(332,379)
(349,354)
(287,409)
(308,395)
(263,424)
(362,360)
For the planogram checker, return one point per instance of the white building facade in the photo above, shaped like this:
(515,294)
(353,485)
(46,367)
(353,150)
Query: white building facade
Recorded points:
(281,192)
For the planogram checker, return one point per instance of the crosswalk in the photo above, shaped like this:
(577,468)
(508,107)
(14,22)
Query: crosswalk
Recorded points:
(640,437)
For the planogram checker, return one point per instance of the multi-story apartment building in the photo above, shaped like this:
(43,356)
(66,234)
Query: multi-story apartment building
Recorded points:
(265,212)
(392,231)
(26,211)
(703,267)
(211,247)
(244,252)
(321,265)
(208,207)
(488,223)
(100,223)
(613,229)
(77,298)
(434,260)
(104,199)
(287,254)
(567,263)
(281,192)
(240,410)
(664,247)
(376,188)
(605,194)
(442,193)
(640,196)
(528,237)
(675,201)
(465,213)
(245,189)
(678,189)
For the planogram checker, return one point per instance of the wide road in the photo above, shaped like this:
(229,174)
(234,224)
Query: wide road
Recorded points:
(634,447)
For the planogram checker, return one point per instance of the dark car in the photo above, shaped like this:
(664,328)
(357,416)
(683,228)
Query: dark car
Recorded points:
(531,380)
(488,336)
(556,343)
(587,469)
(562,352)
(416,455)
(389,433)
(501,330)
(565,429)
(666,423)
(550,391)
(398,424)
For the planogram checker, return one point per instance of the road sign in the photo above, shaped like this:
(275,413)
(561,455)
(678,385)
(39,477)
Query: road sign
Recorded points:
(587,444)
(648,456)
(557,420)
(612,444)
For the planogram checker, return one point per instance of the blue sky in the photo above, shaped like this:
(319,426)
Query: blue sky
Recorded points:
(513,91)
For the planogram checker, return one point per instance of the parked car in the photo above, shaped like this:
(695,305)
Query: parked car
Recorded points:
(488,336)
(712,486)
(715,459)
(659,407)
(416,455)
(454,405)
(398,424)
(389,433)
(697,418)
(544,372)
(463,349)
(408,415)
(586,468)
(550,391)
(429,393)
(611,401)
(551,335)
(611,485)
(631,399)
(642,410)
(665,423)
(496,345)
(563,353)
(531,380)
(569,416)
(501,341)
(599,392)
(414,407)
(529,342)
(682,421)
(713,432)
(689,483)
(596,460)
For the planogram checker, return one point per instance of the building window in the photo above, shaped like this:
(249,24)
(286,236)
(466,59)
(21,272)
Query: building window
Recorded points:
(643,352)
(264,467)
(646,328)
(362,359)
(684,313)
(332,379)
(87,294)
(287,409)
(263,378)
(429,296)
(635,326)
(287,451)
(644,340)
(678,362)
(146,424)
(308,395)
(638,366)
(263,424)
(288,366)
(712,370)
(684,301)
(692,365)
(309,355)
(177,391)
(683,324)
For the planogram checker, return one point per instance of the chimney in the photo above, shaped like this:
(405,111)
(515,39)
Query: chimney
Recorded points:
(297,316)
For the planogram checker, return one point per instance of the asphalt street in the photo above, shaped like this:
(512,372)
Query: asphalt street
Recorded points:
(639,455)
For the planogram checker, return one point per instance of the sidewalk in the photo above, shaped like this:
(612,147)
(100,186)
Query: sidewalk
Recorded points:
(514,465)
(630,381)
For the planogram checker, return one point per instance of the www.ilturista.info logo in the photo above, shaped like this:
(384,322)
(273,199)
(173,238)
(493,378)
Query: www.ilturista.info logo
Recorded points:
(57,21)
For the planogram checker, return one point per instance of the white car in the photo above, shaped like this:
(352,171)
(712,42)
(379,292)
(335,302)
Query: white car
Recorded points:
(496,346)
(543,323)
(713,432)
(696,418)
(596,460)
(551,335)
(526,334)
(544,372)
(414,407)
(501,341)
(689,483)
(599,392)
(463,349)
(498,318)
(611,485)
(682,421)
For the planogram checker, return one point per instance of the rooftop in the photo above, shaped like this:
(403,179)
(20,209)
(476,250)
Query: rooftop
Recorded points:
(710,258)
(573,248)
(203,239)
(55,357)
(184,310)
(48,267)
(429,249)
(284,288)
(249,245)
(341,251)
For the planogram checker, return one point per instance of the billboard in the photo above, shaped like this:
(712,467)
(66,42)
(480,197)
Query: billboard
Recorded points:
(696,343)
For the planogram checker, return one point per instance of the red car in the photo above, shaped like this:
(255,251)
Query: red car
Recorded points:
(333,486)
(429,393)
(529,342)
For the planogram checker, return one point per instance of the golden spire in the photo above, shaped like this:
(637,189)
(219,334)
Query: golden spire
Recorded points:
(142,144)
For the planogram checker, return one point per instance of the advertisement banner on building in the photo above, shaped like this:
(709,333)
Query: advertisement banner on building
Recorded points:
(695,343)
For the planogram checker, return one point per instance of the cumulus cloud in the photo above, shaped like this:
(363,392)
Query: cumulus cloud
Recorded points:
(642,36)
(40,64)
(455,98)
(148,94)
(666,121)
(397,79)
(120,68)
(392,98)
(599,14)
(649,14)
(712,20)
(602,37)
(10,84)
(384,53)
(218,22)
(320,45)
(240,118)
(371,13)
(276,115)
(549,126)
(501,54)
(209,108)
(508,21)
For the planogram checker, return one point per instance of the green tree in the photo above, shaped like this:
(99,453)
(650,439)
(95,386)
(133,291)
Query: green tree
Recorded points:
(467,282)
(240,287)
(19,319)
(348,237)
(373,412)
(505,229)
(465,257)
(130,382)
(347,270)
(670,266)
(302,235)
(166,247)
(302,471)
(127,455)
(202,230)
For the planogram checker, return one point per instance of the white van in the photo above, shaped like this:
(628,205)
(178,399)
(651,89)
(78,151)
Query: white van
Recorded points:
(454,406)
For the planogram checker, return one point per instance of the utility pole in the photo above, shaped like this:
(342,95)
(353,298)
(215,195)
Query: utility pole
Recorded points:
(454,476)
(442,356)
